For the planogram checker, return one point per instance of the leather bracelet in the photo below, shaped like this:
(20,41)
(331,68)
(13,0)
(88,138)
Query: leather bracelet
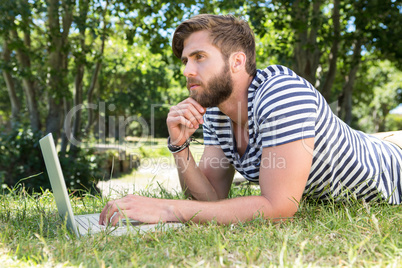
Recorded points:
(175,149)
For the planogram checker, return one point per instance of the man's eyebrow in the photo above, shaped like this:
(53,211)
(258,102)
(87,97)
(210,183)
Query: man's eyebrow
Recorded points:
(195,52)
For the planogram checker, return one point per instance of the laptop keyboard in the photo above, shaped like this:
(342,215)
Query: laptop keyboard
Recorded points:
(90,221)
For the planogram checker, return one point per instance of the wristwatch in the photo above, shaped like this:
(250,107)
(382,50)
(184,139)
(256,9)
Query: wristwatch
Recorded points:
(175,149)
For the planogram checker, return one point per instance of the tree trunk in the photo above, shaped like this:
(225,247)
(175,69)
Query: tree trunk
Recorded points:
(333,56)
(80,62)
(306,51)
(77,101)
(349,82)
(57,64)
(67,21)
(97,68)
(27,80)
(64,138)
(15,102)
(384,112)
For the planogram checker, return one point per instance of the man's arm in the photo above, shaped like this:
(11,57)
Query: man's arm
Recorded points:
(284,171)
(282,186)
(210,180)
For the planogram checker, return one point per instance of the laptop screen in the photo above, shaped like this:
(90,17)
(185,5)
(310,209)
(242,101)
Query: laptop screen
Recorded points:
(57,182)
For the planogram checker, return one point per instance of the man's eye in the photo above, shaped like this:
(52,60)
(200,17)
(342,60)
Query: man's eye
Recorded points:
(199,56)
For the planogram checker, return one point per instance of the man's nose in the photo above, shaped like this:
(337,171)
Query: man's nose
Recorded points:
(189,70)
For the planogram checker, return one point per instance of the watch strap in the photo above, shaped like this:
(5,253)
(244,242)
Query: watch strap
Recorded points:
(175,149)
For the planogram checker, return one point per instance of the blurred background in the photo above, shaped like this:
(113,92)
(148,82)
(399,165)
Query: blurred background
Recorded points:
(100,74)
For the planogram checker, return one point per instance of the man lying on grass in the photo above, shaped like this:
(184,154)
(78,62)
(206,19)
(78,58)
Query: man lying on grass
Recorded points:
(270,125)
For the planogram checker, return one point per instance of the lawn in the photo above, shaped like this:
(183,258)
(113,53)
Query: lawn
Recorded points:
(351,234)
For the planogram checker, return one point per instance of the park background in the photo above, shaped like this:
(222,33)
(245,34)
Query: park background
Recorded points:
(103,72)
(100,75)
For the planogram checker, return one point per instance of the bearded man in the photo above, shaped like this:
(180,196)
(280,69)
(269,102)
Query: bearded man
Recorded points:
(249,117)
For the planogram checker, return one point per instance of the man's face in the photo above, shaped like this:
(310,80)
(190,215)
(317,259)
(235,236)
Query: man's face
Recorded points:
(208,76)
(215,91)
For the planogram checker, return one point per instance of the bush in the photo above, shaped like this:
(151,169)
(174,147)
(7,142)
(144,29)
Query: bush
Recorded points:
(21,158)
(21,161)
(393,122)
(81,172)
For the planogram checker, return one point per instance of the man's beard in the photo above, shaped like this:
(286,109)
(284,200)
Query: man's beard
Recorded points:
(217,90)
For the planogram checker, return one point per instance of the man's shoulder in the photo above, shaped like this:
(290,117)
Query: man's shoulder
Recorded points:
(282,88)
(270,77)
(274,70)
(277,79)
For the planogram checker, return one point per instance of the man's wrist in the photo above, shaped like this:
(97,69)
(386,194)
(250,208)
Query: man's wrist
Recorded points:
(172,213)
(175,148)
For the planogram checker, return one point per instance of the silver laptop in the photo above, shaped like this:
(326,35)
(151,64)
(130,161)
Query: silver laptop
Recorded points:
(83,224)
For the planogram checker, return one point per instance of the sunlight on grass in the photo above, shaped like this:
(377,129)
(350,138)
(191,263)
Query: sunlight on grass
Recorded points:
(156,169)
(351,233)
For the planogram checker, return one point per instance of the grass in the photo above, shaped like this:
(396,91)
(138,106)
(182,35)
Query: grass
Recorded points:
(352,234)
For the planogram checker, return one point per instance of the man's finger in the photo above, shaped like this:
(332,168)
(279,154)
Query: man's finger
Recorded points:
(117,217)
(196,104)
(103,214)
(188,111)
(108,212)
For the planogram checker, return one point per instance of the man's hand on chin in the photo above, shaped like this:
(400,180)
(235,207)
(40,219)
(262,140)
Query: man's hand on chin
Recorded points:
(183,120)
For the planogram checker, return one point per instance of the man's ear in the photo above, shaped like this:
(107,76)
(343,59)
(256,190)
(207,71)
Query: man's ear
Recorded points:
(238,61)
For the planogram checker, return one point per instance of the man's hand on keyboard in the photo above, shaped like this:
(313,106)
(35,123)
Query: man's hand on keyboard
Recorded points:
(143,209)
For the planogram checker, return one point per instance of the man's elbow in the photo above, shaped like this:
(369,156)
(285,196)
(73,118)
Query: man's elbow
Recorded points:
(281,210)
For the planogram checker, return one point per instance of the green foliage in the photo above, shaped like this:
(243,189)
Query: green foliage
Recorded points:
(21,158)
(139,86)
(375,95)
(244,189)
(81,172)
(308,35)
(141,78)
(21,161)
(393,122)
(155,152)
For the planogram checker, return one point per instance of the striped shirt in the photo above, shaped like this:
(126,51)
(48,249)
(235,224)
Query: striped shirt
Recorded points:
(283,107)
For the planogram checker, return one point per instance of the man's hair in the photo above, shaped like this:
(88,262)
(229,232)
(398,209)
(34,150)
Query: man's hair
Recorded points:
(227,32)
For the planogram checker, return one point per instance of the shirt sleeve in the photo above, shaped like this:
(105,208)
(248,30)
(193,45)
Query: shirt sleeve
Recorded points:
(286,111)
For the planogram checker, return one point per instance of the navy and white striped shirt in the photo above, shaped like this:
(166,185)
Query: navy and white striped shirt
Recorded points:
(283,107)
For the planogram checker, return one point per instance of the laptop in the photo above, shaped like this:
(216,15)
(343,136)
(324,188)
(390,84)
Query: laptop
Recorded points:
(82,225)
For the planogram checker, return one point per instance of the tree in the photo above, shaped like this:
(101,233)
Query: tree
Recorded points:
(7,69)
(328,34)
(55,50)
(80,63)
(17,38)
(69,40)
(373,106)
(57,11)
